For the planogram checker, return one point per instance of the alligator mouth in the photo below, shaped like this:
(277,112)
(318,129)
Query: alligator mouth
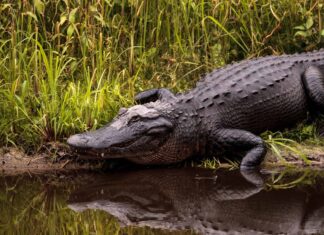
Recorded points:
(87,153)
(117,150)
(96,153)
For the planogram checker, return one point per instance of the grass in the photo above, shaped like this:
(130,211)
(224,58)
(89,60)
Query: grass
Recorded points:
(68,66)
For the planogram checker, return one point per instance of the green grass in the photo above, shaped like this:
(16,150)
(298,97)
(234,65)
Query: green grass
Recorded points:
(67,66)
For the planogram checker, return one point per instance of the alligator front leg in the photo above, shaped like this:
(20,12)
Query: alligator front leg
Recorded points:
(154,95)
(240,140)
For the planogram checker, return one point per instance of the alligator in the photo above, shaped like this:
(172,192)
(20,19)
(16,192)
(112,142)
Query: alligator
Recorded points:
(205,201)
(226,111)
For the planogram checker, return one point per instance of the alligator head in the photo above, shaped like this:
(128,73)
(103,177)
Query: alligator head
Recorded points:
(143,134)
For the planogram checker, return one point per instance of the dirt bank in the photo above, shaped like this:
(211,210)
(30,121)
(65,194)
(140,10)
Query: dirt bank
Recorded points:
(15,160)
(58,157)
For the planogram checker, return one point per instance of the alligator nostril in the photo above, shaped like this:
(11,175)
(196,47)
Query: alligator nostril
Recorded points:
(85,139)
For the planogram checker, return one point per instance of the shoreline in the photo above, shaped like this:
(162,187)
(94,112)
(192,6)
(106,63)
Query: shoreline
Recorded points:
(60,158)
(14,160)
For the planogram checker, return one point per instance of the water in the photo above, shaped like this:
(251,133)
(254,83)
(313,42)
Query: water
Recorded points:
(163,201)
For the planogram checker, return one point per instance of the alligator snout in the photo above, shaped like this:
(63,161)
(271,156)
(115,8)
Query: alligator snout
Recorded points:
(78,140)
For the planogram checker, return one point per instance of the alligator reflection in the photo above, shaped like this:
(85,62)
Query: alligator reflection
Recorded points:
(202,200)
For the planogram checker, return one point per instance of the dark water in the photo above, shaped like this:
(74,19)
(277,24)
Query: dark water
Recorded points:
(163,201)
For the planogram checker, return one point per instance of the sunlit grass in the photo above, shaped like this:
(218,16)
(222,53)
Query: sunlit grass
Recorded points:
(215,163)
(293,142)
(279,144)
(45,105)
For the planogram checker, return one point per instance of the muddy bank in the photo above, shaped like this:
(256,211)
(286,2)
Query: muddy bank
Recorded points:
(58,157)
(14,160)
(313,156)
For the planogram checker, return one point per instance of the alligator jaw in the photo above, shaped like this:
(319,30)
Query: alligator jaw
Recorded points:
(78,144)
(83,145)
(94,154)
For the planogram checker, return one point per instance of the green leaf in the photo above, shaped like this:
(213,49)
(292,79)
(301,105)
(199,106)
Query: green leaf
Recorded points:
(300,27)
(100,19)
(301,34)
(32,15)
(63,18)
(309,22)
(322,32)
(19,100)
(40,7)
(93,9)
(151,52)
(70,30)
(72,15)
(5,6)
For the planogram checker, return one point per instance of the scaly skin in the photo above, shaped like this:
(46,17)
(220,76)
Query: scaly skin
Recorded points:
(225,111)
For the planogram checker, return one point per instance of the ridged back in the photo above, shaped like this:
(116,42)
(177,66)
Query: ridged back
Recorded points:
(259,94)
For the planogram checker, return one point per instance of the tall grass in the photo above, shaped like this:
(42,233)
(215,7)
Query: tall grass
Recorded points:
(67,66)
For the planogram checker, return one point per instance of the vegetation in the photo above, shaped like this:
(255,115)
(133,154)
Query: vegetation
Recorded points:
(67,66)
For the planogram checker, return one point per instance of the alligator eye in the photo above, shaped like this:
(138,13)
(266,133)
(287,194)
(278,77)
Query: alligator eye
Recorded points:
(157,130)
(134,119)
